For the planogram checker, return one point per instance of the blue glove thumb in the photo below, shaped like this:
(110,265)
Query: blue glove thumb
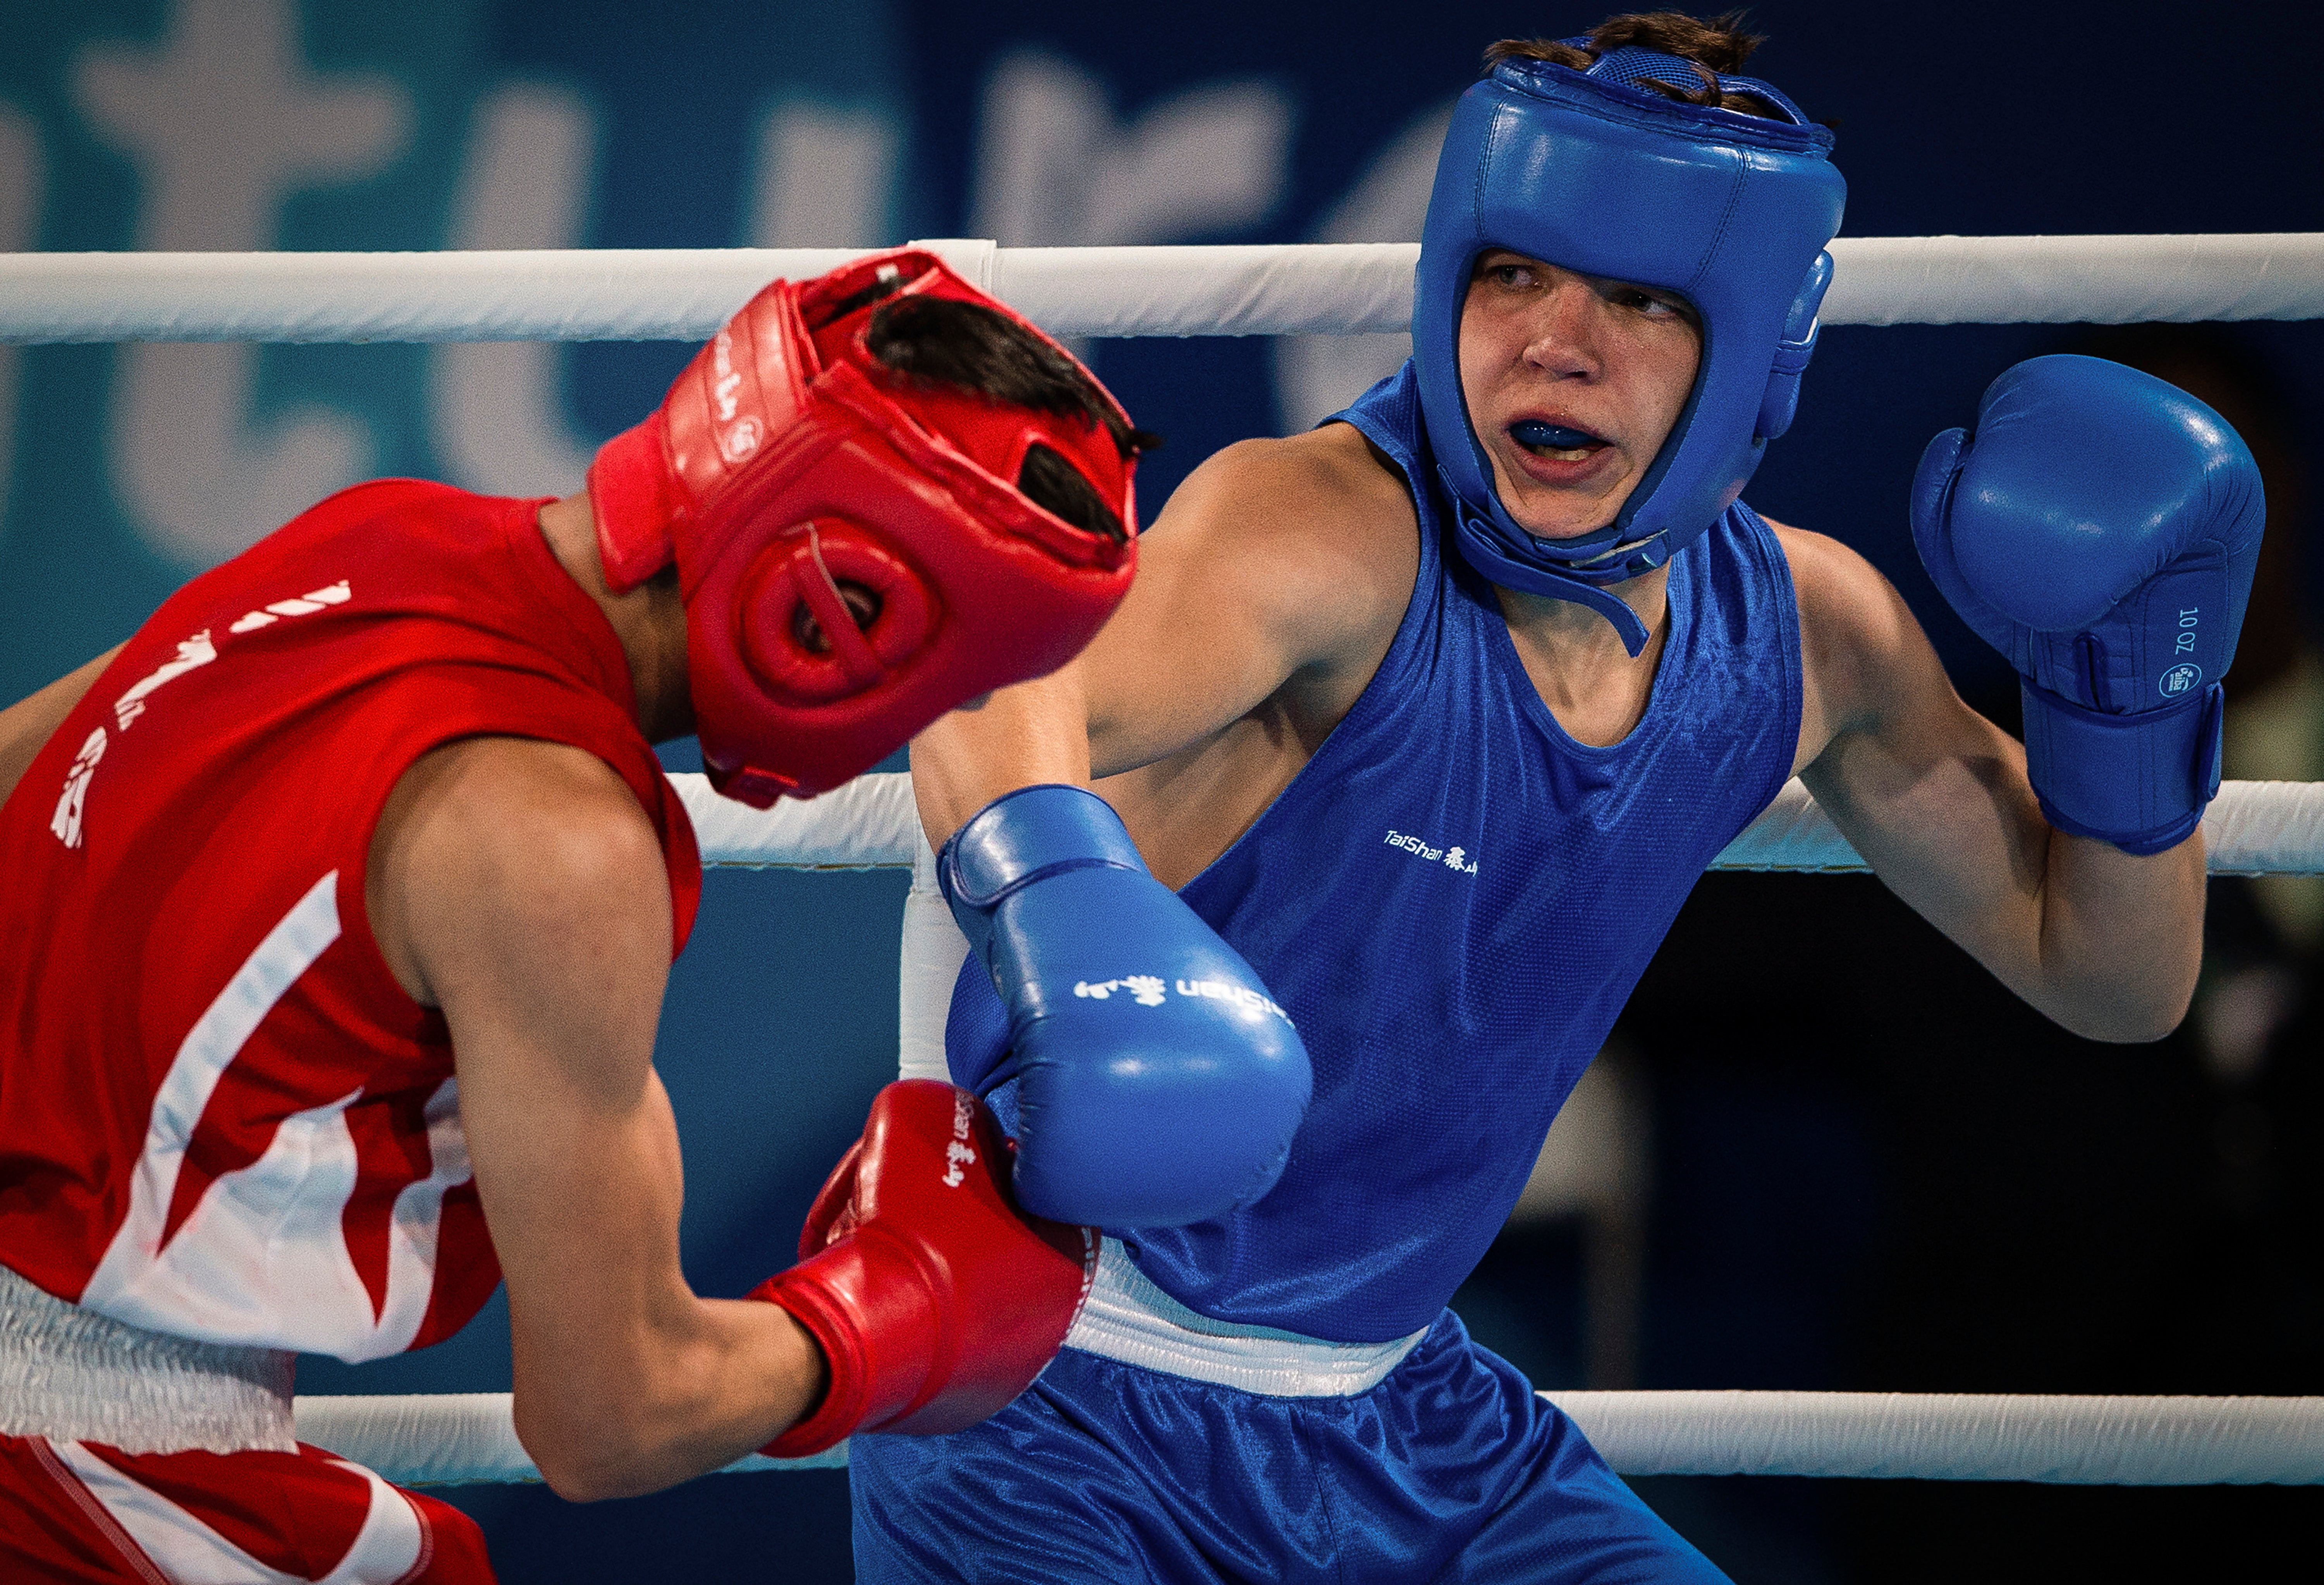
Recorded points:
(1930,502)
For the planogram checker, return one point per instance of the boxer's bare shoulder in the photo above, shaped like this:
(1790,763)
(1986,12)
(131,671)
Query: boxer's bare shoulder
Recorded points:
(509,860)
(1325,515)
(1274,579)
(1858,641)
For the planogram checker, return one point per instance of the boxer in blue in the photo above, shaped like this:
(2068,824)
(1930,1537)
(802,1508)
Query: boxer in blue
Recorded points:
(1431,717)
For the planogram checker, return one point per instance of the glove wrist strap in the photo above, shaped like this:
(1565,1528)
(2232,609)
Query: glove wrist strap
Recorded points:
(1024,836)
(2139,781)
(870,1385)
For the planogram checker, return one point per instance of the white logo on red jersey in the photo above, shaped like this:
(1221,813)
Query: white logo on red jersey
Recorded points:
(306,605)
(198,650)
(65,821)
(194,651)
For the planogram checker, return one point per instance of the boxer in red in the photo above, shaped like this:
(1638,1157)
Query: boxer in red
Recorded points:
(339,905)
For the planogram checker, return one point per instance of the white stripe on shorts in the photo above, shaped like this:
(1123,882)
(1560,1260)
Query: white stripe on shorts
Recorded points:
(1128,1318)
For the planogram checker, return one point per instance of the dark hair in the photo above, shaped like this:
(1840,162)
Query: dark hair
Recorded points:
(1711,45)
(972,347)
(1050,482)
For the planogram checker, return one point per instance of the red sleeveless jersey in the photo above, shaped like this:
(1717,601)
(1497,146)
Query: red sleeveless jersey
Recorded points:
(220,1117)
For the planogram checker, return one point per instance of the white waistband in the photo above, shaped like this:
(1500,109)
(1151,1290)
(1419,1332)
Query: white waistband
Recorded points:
(1128,1318)
(72,1374)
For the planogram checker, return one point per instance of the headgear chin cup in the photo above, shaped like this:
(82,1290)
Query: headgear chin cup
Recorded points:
(1580,170)
(854,551)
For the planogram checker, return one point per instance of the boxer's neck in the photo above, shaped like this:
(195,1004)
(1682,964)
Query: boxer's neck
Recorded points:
(649,620)
(1597,690)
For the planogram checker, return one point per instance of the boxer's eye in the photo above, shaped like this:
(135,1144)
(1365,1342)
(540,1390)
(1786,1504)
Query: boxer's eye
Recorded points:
(863,605)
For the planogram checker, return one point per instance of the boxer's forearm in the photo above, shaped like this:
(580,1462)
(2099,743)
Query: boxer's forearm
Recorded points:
(625,1380)
(1014,737)
(2101,942)
(518,886)
(687,1392)
(2121,937)
(1937,799)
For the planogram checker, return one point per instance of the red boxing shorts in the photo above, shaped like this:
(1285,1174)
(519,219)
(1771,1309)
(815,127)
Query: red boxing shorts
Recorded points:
(81,1512)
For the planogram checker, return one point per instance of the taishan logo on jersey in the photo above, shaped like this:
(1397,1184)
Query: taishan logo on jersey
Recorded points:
(1454,859)
(192,653)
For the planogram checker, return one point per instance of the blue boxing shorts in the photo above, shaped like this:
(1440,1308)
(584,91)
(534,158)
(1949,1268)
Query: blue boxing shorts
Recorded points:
(1164,1446)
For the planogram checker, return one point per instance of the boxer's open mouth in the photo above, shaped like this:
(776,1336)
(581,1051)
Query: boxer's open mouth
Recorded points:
(1557,442)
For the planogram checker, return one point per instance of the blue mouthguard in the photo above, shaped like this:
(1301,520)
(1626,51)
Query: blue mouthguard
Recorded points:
(1534,432)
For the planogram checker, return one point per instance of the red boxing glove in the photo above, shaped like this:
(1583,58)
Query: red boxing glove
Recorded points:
(935,1301)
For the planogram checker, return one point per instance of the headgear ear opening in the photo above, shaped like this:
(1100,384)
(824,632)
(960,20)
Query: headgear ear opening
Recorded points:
(1793,352)
(805,639)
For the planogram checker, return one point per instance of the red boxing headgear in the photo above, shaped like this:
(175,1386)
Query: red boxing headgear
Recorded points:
(787,459)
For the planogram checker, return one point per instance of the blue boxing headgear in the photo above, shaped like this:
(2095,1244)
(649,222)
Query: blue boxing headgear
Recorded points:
(1581,169)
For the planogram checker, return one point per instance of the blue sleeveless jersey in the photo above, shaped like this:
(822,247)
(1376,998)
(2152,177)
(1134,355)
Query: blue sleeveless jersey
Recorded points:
(1453,899)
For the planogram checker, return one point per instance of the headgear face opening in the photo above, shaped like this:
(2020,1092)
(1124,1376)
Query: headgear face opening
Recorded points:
(853,548)
(1580,170)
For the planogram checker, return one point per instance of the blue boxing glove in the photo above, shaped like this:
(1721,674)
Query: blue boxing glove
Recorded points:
(2099,527)
(1158,1083)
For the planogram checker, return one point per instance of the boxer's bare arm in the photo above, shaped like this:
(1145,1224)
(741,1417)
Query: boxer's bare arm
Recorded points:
(27,725)
(518,886)
(1267,591)
(1935,799)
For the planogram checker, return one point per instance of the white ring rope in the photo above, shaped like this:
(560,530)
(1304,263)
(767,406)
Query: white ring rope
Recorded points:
(1289,289)
(454,1438)
(868,823)
(2253,828)
(1958,1436)
(462,1438)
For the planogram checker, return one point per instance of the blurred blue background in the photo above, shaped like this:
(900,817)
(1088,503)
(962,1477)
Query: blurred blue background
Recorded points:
(1851,1163)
